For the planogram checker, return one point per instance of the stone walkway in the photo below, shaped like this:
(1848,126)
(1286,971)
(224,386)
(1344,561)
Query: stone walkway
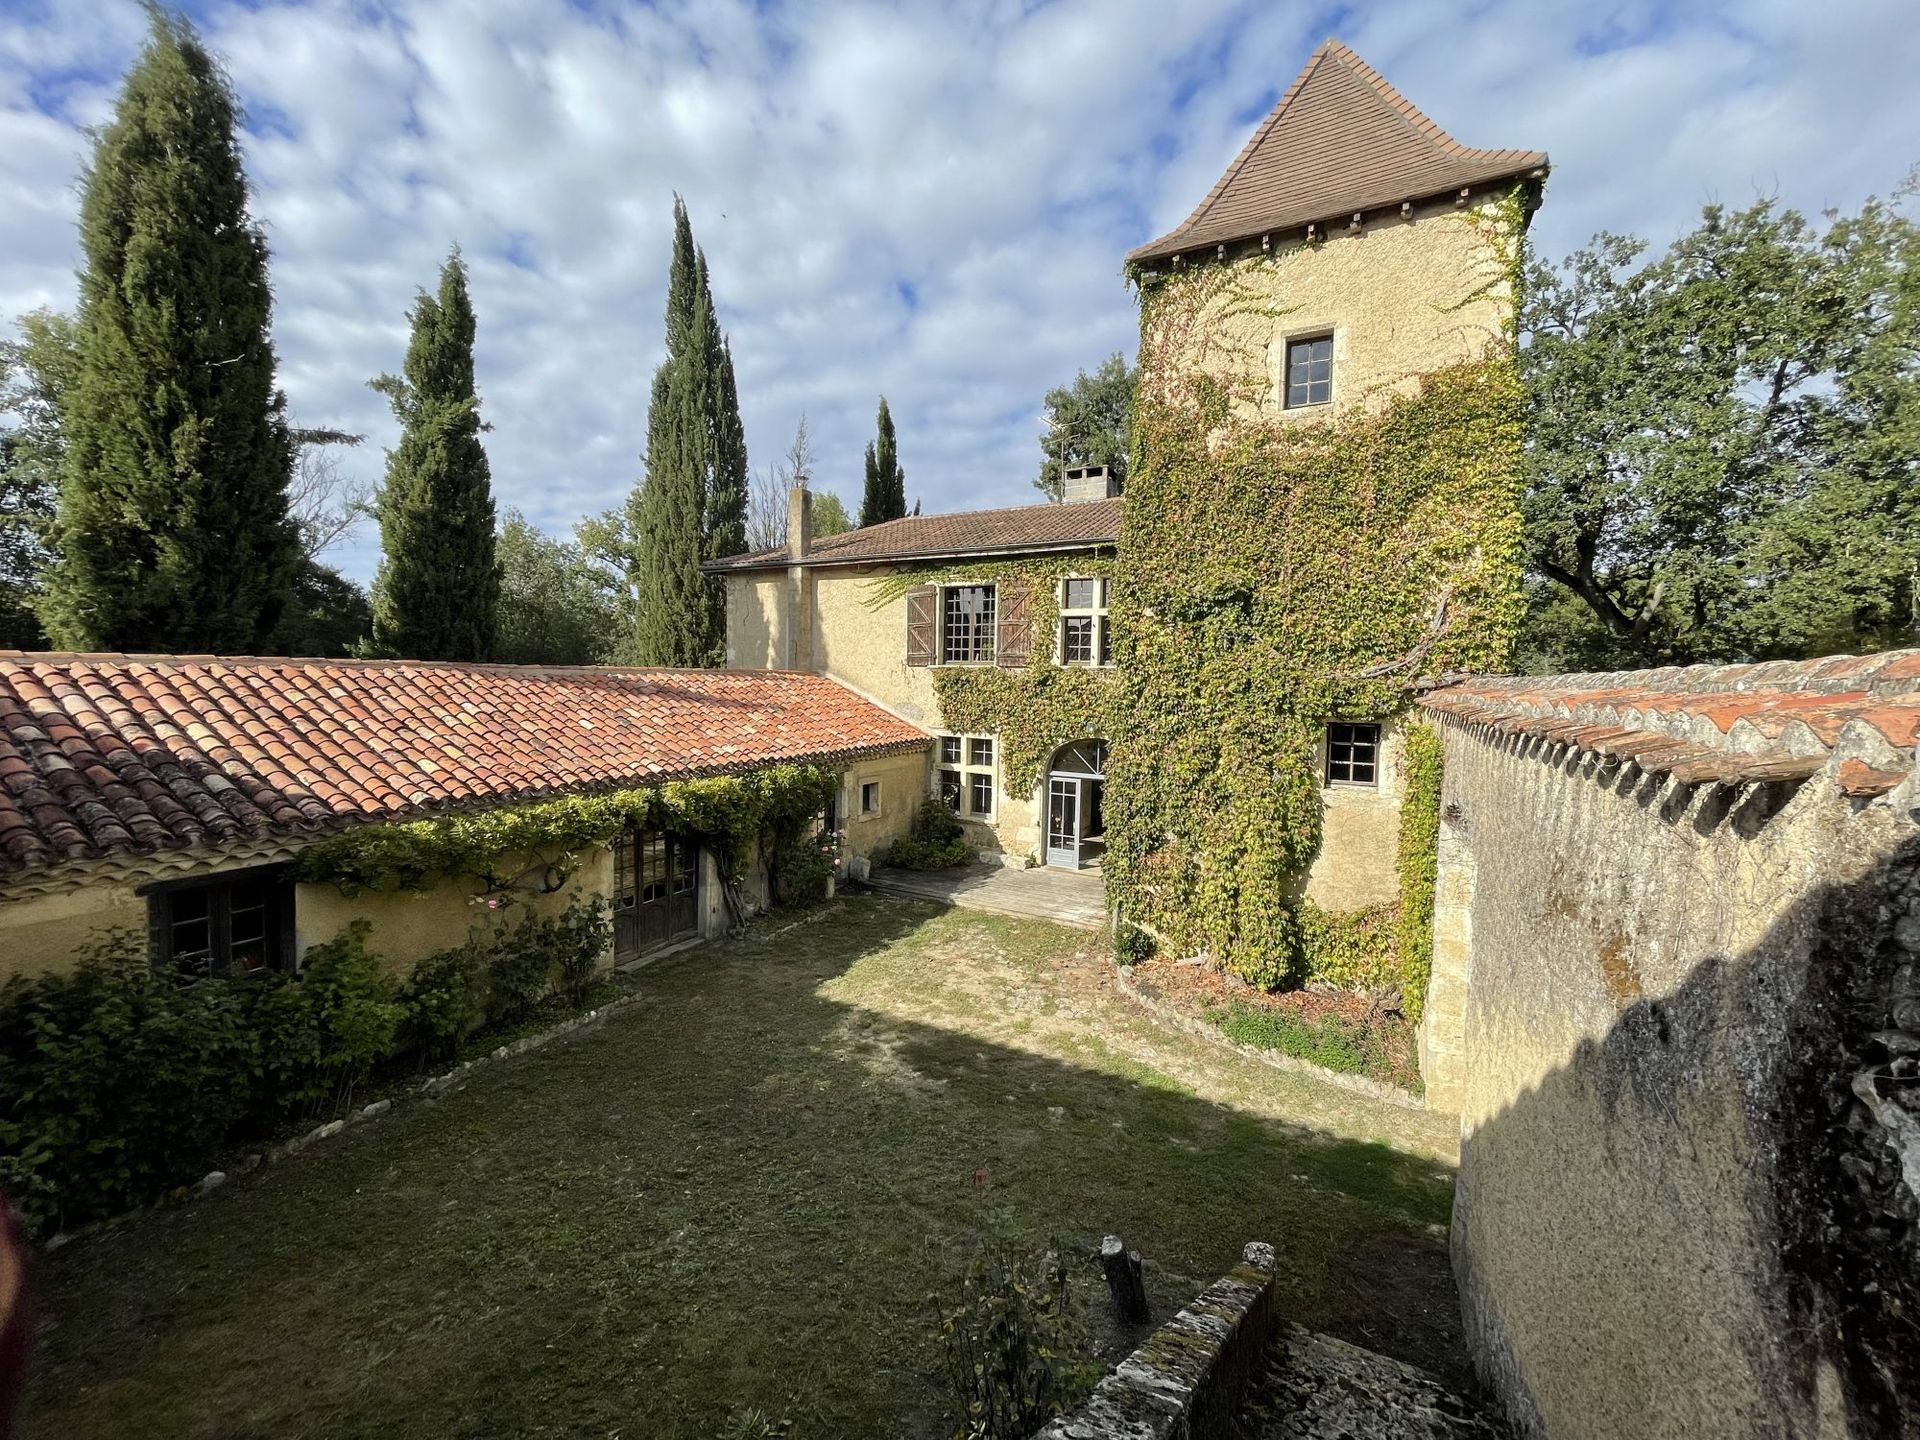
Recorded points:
(1068,897)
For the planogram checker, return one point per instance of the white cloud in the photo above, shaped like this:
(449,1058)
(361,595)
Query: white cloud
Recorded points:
(992,163)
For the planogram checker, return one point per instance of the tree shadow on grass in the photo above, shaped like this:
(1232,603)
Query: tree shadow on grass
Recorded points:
(746,1191)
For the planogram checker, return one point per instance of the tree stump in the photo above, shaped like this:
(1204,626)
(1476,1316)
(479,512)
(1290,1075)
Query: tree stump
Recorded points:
(1124,1280)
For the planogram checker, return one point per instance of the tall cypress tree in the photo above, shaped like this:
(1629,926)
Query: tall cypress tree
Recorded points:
(172,531)
(886,492)
(692,504)
(439,584)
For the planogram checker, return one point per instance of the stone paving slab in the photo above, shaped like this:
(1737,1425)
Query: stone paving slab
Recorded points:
(1067,897)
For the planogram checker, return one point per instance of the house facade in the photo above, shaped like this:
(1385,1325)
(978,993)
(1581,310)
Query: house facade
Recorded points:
(186,799)
(1351,251)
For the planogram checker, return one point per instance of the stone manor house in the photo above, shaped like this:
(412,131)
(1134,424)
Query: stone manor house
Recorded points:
(1677,923)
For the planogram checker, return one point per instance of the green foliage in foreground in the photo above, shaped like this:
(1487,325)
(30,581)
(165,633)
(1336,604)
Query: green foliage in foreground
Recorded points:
(936,841)
(117,1082)
(1011,1344)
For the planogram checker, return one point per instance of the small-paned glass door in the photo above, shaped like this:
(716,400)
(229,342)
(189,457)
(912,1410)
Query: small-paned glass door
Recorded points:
(1063,820)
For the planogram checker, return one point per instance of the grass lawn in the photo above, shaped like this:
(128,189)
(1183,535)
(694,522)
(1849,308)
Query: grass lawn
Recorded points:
(743,1192)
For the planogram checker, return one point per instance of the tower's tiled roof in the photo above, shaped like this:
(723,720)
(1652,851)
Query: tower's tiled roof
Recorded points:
(105,754)
(1340,140)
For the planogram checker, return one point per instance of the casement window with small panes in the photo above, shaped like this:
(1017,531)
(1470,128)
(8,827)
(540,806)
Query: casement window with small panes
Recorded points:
(965,773)
(1353,754)
(222,926)
(1085,634)
(1309,371)
(967,624)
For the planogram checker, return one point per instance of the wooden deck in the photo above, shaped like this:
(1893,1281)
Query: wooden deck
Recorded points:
(1067,897)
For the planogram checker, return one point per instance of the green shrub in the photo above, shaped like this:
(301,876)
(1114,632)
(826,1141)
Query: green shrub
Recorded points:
(445,998)
(539,957)
(1335,1042)
(1352,949)
(115,1082)
(1132,945)
(936,841)
(323,1034)
(803,863)
(1418,864)
(579,938)
(1008,1346)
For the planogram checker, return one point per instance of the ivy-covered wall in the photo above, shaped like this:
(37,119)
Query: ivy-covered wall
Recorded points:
(1282,569)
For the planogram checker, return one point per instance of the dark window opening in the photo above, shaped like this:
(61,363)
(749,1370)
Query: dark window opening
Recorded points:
(870,798)
(950,789)
(219,928)
(1310,371)
(1353,754)
(980,792)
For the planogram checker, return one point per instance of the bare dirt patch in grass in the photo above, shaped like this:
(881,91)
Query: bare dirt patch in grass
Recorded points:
(745,1192)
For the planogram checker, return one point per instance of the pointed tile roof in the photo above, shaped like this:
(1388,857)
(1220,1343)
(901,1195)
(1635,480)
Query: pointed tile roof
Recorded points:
(1341,139)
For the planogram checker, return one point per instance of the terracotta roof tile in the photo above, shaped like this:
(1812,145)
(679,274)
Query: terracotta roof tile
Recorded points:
(1081,525)
(1856,715)
(109,753)
(1340,140)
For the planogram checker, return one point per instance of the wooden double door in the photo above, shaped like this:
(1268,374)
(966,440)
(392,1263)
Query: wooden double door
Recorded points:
(656,892)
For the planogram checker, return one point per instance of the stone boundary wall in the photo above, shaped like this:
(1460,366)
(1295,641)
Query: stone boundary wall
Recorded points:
(1187,1381)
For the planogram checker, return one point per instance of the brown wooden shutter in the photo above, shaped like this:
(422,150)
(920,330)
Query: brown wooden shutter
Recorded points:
(922,606)
(1014,643)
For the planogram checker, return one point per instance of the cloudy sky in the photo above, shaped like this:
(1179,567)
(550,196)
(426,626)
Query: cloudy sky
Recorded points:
(922,201)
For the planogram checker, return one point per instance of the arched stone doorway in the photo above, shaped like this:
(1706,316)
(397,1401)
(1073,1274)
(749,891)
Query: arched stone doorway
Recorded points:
(1075,811)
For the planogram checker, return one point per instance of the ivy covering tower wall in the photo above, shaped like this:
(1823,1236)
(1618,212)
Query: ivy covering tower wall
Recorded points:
(1276,573)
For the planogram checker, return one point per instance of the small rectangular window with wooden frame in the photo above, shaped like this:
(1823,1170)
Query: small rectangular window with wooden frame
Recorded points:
(967,624)
(1309,371)
(1086,635)
(222,926)
(1353,754)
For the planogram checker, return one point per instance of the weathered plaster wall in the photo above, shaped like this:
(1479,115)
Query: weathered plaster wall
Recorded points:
(1674,1216)
(407,928)
(864,644)
(757,621)
(903,785)
(40,933)
(1401,298)
(1359,835)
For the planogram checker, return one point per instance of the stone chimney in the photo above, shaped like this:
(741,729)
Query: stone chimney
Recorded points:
(799,522)
(1087,482)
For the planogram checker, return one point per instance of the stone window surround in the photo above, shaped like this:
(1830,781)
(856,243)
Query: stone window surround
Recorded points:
(1297,328)
(1099,613)
(966,770)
